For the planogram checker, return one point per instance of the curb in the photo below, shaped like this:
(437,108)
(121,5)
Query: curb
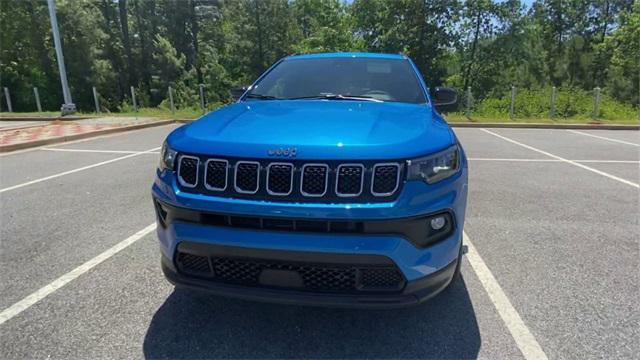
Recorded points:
(545,126)
(26,145)
(40,118)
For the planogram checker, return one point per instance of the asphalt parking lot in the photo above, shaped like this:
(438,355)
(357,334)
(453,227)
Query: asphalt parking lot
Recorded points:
(552,269)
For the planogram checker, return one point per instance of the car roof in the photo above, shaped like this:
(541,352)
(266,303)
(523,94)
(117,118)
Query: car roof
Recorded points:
(346,54)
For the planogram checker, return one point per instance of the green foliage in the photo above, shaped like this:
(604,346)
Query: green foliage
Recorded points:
(571,103)
(488,45)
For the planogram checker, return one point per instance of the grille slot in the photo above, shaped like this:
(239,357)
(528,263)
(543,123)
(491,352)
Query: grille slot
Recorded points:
(315,180)
(215,174)
(188,171)
(247,177)
(280,179)
(386,179)
(349,180)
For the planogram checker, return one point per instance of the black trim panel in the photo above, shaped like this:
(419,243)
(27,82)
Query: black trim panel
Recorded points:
(414,229)
(280,255)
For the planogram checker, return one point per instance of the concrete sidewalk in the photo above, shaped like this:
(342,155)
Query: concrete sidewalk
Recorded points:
(15,137)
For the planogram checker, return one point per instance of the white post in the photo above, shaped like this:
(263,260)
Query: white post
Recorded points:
(68,107)
(513,101)
(95,100)
(202,97)
(8,99)
(596,102)
(469,101)
(552,112)
(173,108)
(37,96)
(133,99)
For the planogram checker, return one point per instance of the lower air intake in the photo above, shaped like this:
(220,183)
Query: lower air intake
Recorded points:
(330,278)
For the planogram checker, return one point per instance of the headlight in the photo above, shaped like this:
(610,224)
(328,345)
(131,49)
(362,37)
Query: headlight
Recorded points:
(436,167)
(167,157)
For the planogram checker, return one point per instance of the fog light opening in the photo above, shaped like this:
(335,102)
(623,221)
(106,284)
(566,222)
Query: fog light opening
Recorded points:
(438,222)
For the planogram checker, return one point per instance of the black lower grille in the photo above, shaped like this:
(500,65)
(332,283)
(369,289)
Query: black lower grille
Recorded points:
(380,278)
(194,264)
(332,278)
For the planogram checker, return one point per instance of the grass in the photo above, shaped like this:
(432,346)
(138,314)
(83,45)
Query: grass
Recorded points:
(460,117)
(158,113)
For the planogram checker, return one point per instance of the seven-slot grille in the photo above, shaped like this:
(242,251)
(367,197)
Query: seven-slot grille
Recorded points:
(294,180)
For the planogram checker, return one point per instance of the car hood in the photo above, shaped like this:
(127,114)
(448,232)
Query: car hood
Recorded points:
(317,129)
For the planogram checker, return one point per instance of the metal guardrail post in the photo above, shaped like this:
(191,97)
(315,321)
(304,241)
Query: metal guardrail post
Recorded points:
(173,108)
(133,99)
(552,111)
(202,98)
(596,102)
(513,101)
(95,100)
(7,97)
(37,96)
(68,107)
(468,104)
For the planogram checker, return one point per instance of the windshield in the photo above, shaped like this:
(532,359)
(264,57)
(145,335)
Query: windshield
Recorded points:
(341,79)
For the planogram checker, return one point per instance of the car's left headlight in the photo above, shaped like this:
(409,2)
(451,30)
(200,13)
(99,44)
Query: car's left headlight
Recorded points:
(436,167)
(167,157)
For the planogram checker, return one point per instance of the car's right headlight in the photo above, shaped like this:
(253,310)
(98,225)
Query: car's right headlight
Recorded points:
(435,167)
(167,157)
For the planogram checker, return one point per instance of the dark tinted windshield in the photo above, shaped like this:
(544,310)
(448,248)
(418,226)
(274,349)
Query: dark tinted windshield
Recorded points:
(379,79)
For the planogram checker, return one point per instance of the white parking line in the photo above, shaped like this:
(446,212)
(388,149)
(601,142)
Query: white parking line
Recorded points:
(604,138)
(30,300)
(76,170)
(613,177)
(556,160)
(100,151)
(609,161)
(524,339)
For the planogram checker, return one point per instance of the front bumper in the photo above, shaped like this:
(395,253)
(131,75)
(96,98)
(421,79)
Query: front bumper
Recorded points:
(413,293)
(426,270)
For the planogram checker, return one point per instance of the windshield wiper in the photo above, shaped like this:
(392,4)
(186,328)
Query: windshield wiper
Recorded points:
(337,97)
(262,97)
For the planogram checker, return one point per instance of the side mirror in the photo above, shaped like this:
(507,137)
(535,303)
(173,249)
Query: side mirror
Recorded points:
(237,92)
(444,96)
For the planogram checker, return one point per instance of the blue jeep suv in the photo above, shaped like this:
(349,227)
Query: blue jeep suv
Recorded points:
(333,180)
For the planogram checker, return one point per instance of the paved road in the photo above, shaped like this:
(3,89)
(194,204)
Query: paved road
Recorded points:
(559,236)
